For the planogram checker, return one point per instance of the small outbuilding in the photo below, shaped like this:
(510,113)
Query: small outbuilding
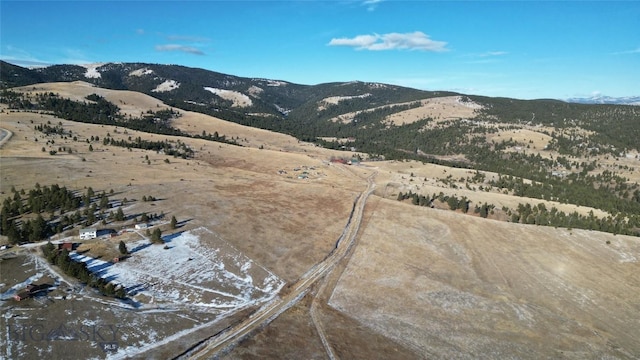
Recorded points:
(88,233)
(31,291)
(65,246)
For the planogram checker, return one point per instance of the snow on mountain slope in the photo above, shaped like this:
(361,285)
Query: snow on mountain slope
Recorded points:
(602,99)
(167,85)
(239,99)
(141,72)
(92,70)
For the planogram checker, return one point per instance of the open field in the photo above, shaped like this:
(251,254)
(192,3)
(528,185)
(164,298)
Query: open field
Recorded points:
(438,109)
(454,286)
(418,283)
(72,320)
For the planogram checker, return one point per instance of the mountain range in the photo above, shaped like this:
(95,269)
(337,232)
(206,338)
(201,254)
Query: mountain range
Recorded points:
(384,120)
(602,99)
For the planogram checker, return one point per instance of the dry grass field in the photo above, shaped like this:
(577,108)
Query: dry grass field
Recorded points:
(420,282)
(438,109)
(454,286)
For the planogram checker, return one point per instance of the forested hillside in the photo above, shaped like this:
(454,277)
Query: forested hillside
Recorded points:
(546,149)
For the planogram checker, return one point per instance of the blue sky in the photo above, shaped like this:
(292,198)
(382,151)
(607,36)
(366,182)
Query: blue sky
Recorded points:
(521,49)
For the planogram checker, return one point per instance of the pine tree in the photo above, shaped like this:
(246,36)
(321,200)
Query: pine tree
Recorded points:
(104,201)
(119,214)
(156,236)
(121,293)
(174,222)
(123,248)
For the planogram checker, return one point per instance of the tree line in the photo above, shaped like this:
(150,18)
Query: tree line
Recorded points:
(79,270)
(100,111)
(535,215)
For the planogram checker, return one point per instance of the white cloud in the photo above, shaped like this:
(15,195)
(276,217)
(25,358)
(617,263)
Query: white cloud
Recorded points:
(21,57)
(634,51)
(487,54)
(493,53)
(371,4)
(408,41)
(360,41)
(176,47)
(25,62)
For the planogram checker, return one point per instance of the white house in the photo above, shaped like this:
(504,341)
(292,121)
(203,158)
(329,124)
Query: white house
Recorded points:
(141,226)
(88,233)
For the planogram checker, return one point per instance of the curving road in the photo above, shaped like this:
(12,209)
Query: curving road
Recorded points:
(5,135)
(219,342)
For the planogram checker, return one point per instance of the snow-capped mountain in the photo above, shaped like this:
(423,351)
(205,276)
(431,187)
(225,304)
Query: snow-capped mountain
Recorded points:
(602,99)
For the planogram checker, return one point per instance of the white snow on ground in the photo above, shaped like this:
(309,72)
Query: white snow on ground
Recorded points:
(16,288)
(377,86)
(276,83)
(92,70)
(271,82)
(141,72)
(239,99)
(189,273)
(167,85)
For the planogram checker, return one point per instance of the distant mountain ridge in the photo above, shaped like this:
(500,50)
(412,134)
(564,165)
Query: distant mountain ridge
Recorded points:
(193,87)
(380,119)
(602,99)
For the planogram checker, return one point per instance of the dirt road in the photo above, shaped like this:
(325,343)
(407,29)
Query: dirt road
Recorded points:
(5,135)
(272,310)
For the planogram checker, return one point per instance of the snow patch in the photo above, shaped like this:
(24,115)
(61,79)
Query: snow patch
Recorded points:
(189,273)
(239,99)
(271,82)
(276,83)
(282,110)
(167,85)
(377,86)
(92,70)
(16,288)
(141,72)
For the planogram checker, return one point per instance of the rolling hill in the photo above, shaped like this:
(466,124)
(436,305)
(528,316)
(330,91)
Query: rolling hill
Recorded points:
(544,149)
(419,281)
